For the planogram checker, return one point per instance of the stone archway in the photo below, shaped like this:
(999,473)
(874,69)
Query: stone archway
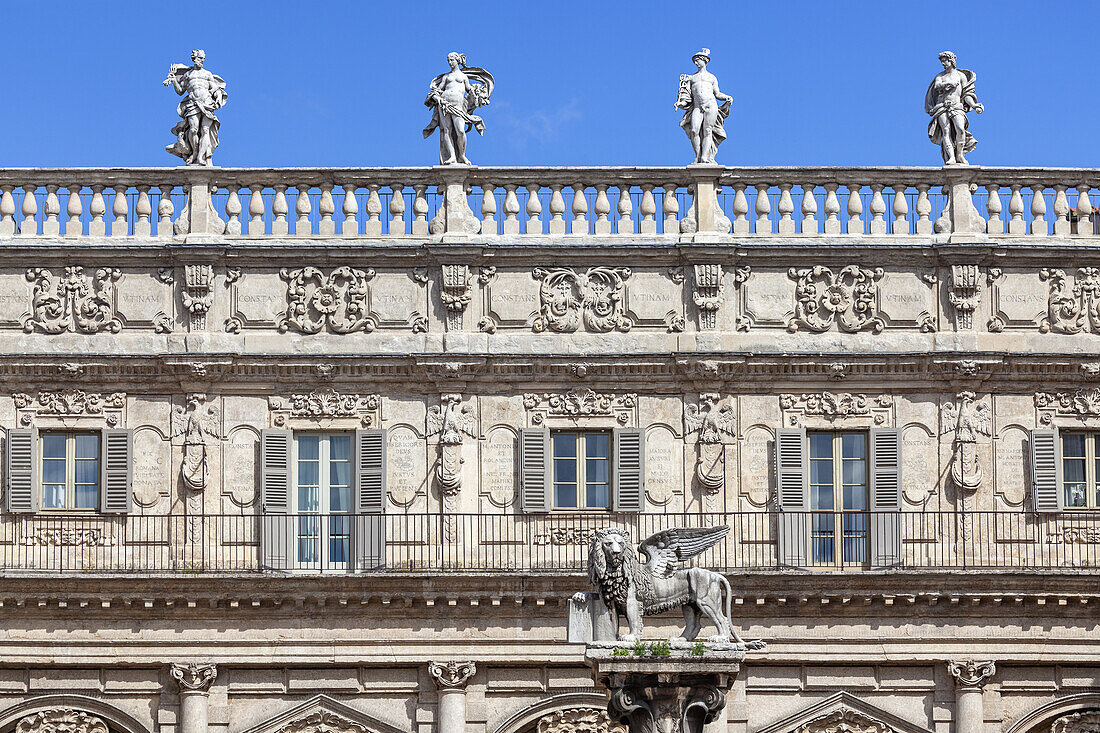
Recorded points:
(1078,713)
(577,712)
(67,714)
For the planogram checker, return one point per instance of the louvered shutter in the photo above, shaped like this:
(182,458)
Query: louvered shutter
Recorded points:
(885,515)
(1046,471)
(535,470)
(369,525)
(20,471)
(117,469)
(792,495)
(628,472)
(276,524)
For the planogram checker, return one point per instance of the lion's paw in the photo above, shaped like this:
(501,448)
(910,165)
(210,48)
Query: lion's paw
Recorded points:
(718,639)
(628,639)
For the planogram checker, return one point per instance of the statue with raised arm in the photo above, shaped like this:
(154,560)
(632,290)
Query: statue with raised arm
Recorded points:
(203,94)
(949,97)
(704,119)
(453,97)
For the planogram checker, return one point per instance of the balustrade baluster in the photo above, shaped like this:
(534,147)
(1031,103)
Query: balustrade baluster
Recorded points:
(1084,210)
(256,211)
(855,209)
(1016,225)
(280,226)
(648,210)
(557,210)
(302,208)
(993,224)
(488,208)
(120,208)
(232,210)
(786,209)
(670,208)
(924,210)
(373,225)
(29,227)
(625,207)
(900,209)
(511,209)
(349,206)
(52,225)
(420,210)
(878,210)
(533,223)
(809,209)
(602,208)
(832,209)
(97,227)
(397,209)
(165,210)
(741,223)
(1038,209)
(1061,210)
(7,211)
(74,210)
(142,227)
(326,207)
(763,209)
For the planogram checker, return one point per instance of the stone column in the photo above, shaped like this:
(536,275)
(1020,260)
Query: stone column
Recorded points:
(451,678)
(194,681)
(970,677)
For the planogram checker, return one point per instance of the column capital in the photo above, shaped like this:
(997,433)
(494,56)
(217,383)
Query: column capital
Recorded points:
(451,675)
(970,674)
(193,677)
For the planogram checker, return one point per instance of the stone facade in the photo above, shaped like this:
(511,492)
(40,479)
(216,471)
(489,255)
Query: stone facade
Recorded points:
(707,344)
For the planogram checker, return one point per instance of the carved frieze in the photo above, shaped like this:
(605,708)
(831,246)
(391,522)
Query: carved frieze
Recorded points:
(61,720)
(570,301)
(707,294)
(74,302)
(324,404)
(1072,309)
(338,301)
(847,299)
(322,721)
(69,403)
(964,292)
(831,406)
(68,537)
(1087,721)
(579,403)
(579,720)
(455,292)
(844,720)
(967,420)
(1082,404)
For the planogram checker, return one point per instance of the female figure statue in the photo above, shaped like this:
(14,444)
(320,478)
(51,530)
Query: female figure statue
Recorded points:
(950,96)
(453,97)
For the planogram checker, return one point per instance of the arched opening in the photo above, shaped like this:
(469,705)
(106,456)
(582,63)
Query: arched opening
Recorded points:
(1070,714)
(579,712)
(67,714)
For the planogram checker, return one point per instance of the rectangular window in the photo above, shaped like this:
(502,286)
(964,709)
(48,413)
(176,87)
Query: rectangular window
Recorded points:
(69,470)
(838,497)
(1080,469)
(582,470)
(322,498)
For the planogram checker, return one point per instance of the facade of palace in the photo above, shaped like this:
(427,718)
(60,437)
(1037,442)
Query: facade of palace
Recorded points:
(323,450)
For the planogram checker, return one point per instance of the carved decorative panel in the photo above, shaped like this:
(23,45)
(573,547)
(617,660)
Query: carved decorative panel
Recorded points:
(1017,300)
(61,720)
(577,404)
(106,409)
(324,406)
(1083,722)
(1076,407)
(1072,308)
(337,302)
(845,721)
(322,721)
(571,301)
(579,720)
(847,300)
(829,407)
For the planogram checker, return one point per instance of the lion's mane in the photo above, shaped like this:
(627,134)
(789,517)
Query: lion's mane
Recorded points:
(614,576)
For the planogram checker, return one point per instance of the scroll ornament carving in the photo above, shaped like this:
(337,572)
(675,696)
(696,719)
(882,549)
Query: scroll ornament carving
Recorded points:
(707,294)
(337,301)
(847,299)
(577,403)
(451,420)
(713,420)
(61,720)
(454,293)
(70,403)
(1081,404)
(968,419)
(198,293)
(969,673)
(194,677)
(579,720)
(845,721)
(451,675)
(1087,721)
(963,294)
(1075,309)
(833,406)
(323,404)
(594,298)
(323,721)
(74,302)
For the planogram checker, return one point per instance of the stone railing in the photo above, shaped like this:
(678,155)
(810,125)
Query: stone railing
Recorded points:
(700,203)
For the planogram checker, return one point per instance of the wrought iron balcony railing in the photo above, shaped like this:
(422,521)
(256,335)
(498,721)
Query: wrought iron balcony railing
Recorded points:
(540,543)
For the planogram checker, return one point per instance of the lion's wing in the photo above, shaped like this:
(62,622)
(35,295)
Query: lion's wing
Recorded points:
(664,549)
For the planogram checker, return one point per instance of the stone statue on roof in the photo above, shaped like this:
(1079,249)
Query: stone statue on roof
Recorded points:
(203,94)
(704,119)
(949,97)
(453,97)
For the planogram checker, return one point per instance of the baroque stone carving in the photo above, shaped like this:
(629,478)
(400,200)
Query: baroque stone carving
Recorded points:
(453,97)
(834,405)
(580,403)
(68,537)
(74,302)
(844,721)
(964,292)
(1081,404)
(1075,309)
(203,94)
(70,403)
(1083,722)
(967,419)
(707,294)
(847,299)
(451,674)
(325,404)
(969,673)
(61,720)
(193,677)
(196,423)
(714,421)
(323,721)
(594,298)
(949,97)
(198,293)
(337,301)
(455,291)
(704,119)
(451,420)
(578,720)
(665,703)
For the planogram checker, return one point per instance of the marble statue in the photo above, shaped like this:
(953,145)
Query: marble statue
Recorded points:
(453,97)
(203,94)
(704,119)
(634,589)
(949,97)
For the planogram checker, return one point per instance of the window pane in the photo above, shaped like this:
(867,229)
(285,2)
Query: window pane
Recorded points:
(1075,495)
(87,472)
(598,496)
(339,473)
(53,472)
(855,498)
(87,446)
(53,446)
(1073,444)
(565,496)
(53,496)
(1073,470)
(308,473)
(595,471)
(307,499)
(565,470)
(821,472)
(854,472)
(87,496)
(853,445)
(565,445)
(339,447)
(821,445)
(598,445)
(308,447)
(821,498)
(339,499)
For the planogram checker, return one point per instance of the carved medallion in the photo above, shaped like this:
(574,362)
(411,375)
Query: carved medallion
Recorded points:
(847,299)
(569,299)
(337,301)
(75,302)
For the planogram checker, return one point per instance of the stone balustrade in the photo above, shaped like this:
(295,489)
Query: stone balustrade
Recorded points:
(502,202)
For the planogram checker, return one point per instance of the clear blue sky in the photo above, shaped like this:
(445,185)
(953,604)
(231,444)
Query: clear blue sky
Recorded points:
(583,83)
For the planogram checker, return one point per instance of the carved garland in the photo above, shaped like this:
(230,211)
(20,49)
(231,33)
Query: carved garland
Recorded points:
(833,406)
(577,403)
(325,404)
(61,720)
(569,299)
(847,299)
(579,720)
(964,292)
(198,293)
(70,403)
(1083,404)
(455,292)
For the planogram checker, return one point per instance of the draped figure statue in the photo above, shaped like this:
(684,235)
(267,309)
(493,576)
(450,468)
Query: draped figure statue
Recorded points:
(704,119)
(453,97)
(949,97)
(203,94)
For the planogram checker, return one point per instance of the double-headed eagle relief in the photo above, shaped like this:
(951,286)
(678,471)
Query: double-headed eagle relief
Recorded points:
(453,97)
(635,589)
(203,94)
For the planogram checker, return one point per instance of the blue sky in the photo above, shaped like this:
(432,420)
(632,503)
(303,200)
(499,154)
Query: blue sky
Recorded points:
(581,83)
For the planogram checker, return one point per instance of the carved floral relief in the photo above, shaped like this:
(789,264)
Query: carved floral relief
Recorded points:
(325,404)
(580,403)
(579,720)
(831,406)
(323,721)
(847,299)
(593,299)
(75,301)
(61,720)
(1075,308)
(337,302)
(1082,404)
(845,721)
(70,403)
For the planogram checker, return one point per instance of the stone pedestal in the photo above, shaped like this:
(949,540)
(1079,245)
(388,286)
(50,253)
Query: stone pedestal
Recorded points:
(678,693)
(970,678)
(194,681)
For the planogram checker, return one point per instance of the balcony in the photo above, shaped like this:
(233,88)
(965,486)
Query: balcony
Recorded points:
(540,544)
